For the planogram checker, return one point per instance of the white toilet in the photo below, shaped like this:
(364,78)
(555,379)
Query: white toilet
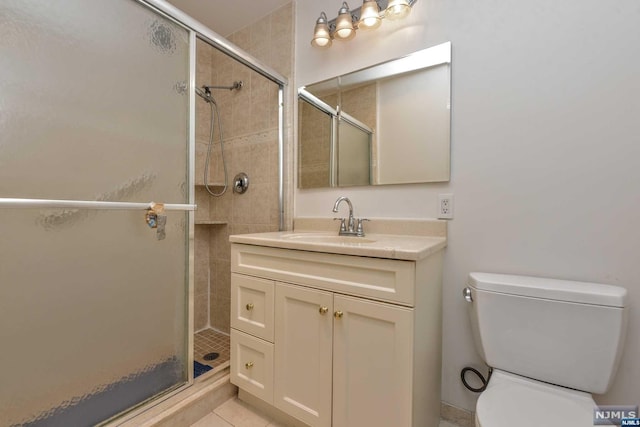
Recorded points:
(551,343)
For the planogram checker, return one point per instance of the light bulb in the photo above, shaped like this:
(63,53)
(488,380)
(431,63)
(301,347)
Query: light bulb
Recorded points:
(344,24)
(321,33)
(370,15)
(397,9)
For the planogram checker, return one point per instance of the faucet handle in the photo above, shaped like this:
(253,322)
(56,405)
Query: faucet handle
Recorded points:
(343,226)
(360,229)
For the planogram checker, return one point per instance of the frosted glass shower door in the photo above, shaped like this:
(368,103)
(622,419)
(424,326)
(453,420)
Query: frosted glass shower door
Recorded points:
(93,306)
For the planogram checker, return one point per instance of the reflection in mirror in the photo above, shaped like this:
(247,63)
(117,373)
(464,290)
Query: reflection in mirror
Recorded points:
(386,124)
(354,152)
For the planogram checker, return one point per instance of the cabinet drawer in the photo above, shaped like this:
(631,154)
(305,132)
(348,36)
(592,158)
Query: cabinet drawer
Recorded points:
(252,365)
(252,305)
(381,279)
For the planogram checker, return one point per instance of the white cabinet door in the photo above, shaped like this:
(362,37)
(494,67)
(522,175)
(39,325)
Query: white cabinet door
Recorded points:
(303,349)
(372,364)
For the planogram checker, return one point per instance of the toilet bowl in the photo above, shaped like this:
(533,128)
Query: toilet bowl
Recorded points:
(511,400)
(551,343)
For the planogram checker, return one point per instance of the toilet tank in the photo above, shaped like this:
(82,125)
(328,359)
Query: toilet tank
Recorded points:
(557,331)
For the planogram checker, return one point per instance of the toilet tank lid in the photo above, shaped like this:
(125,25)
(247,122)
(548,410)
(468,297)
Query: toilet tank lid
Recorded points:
(552,289)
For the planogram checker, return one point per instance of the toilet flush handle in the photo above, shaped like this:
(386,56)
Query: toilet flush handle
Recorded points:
(466,293)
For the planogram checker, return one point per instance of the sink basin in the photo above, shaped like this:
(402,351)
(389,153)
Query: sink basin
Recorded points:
(326,238)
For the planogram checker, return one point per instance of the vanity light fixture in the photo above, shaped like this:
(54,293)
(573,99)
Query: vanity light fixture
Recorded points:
(397,9)
(344,29)
(321,34)
(368,16)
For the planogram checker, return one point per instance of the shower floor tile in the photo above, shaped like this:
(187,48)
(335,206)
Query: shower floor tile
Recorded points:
(211,341)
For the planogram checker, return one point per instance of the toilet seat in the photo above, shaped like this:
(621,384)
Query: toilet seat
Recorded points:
(511,400)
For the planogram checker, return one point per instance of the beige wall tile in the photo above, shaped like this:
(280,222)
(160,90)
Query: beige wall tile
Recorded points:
(220,298)
(201,285)
(250,228)
(220,246)
(216,165)
(261,202)
(282,23)
(242,207)
(241,160)
(203,201)
(241,108)
(260,35)
(222,206)
(201,311)
(242,38)
(249,122)
(201,244)
(259,157)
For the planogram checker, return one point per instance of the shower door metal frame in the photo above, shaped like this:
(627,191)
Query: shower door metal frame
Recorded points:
(187,24)
(198,30)
(145,405)
(195,29)
(224,45)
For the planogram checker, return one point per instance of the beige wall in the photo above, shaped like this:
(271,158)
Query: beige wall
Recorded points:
(250,127)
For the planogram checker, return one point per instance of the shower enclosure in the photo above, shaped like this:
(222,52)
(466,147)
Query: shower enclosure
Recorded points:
(97,112)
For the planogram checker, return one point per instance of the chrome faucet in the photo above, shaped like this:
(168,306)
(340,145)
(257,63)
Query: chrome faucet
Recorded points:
(348,226)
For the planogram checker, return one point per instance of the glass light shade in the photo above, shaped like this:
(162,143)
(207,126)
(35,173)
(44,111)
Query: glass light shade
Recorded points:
(397,9)
(370,15)
(344,24)
(321,32)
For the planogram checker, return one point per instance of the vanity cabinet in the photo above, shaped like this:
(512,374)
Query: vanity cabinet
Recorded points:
(355,340)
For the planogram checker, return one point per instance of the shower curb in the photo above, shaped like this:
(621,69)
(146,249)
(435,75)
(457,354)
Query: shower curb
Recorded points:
(189,406)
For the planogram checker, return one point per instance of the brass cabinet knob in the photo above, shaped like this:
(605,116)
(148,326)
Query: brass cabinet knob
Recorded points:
(248,365)
(323,310)
(250,306)
(338,314)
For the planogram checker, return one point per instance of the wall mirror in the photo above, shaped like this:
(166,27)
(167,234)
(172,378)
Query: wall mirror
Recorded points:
(386,124)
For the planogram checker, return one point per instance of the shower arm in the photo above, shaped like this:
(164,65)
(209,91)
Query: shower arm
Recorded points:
(236,85)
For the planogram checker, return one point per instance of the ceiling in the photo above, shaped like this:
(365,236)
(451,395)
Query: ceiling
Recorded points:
(229,16)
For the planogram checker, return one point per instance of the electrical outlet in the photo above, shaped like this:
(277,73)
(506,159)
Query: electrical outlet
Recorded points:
(445,206)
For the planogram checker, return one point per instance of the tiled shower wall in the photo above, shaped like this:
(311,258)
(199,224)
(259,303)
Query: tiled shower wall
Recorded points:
(249,119)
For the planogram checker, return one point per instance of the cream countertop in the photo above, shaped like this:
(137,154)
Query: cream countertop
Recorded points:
(419,238)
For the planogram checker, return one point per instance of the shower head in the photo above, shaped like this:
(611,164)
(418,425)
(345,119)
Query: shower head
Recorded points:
(205,94)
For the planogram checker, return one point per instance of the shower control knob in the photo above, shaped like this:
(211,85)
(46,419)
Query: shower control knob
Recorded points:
(466,293)
(240,183)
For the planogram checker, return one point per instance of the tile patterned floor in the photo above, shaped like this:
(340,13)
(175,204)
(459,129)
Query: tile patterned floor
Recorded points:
(210,341)
(235,413)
